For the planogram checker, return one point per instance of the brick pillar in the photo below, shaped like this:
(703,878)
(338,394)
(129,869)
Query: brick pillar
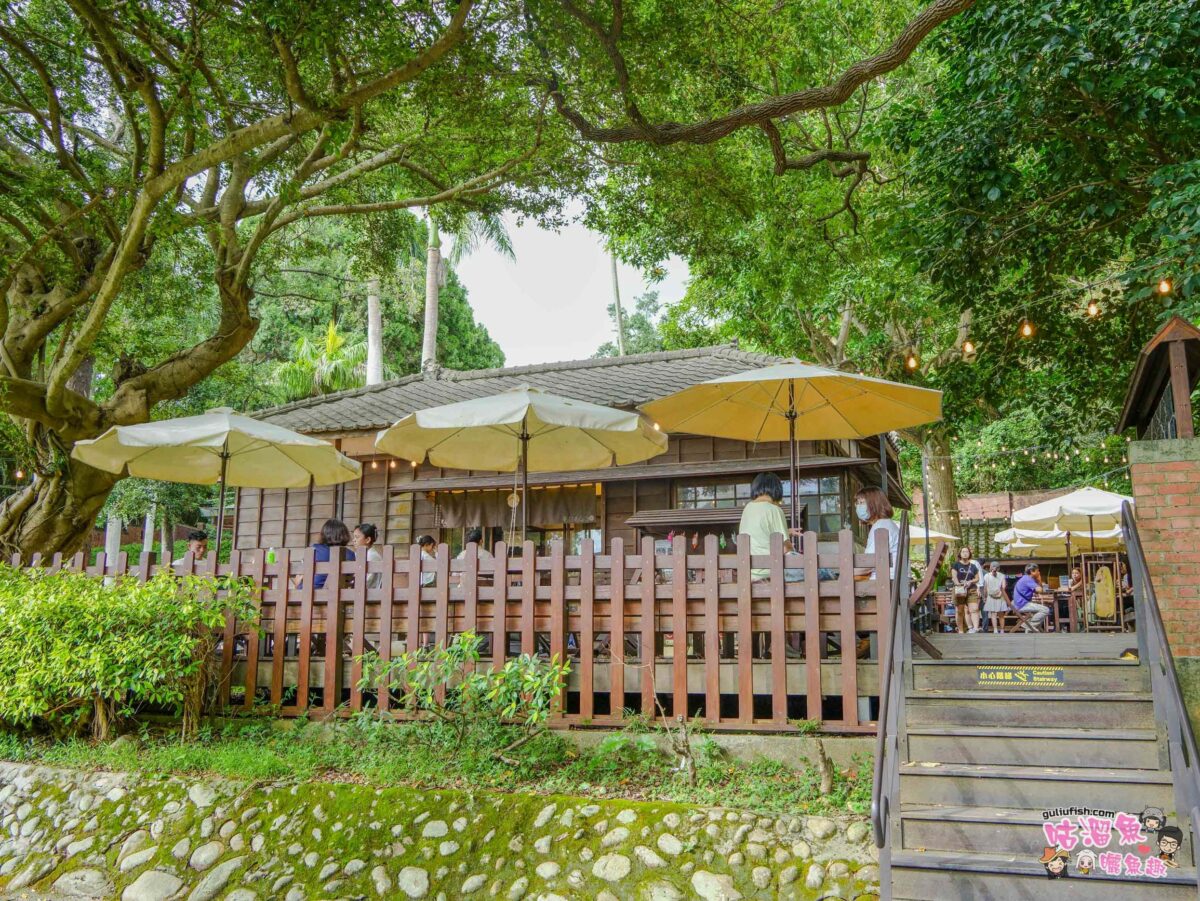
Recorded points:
(1166,492)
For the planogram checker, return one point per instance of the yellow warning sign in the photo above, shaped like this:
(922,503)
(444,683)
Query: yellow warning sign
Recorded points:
(1033,676)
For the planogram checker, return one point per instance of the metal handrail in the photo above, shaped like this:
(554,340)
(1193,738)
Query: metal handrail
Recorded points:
(892,665)
(1155,650)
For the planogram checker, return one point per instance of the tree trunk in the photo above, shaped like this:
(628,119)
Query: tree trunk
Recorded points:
(617,304)
(374,334)
(943,497)
(433,273)
(54,514)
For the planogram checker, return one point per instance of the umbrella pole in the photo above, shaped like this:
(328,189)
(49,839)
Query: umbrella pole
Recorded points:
(221,503)
(883,473)
(524,482)
(1092,533)
(791,418)
(925,504)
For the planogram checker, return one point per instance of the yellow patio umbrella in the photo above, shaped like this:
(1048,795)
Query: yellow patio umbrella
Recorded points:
(219,447)
(779,402)
(525,429)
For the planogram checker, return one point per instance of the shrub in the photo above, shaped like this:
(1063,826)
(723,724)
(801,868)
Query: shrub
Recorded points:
(447,684)
(76,649)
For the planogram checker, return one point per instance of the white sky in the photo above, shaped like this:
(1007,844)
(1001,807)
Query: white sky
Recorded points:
(549,305)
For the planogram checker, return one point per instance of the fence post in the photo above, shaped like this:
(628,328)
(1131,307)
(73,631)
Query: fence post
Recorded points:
(587,639)
(304,650)
(528,592)
(616,632)
(778,634)
(279,646)
(679,673)
(712,631)
(745,633)
(499,605)
(812,629)
(649,589)
(849,635)
(254,633)
(358,627)
(332,690)
(558,612)
(387,599)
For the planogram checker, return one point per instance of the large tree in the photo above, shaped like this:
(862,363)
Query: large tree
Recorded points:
(138,136)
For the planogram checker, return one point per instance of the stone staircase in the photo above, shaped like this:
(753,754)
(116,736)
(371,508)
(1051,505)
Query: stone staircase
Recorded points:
(980,758)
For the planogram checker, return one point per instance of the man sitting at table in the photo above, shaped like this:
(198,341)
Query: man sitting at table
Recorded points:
(1023,601)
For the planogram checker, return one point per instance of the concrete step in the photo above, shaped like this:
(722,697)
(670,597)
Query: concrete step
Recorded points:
(1051,646)
(942,875)
(995,830)
(1014,746)
(1031,675)
(1020,707)
(1037,787)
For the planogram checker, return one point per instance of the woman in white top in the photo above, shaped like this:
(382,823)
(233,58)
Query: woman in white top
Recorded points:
(365,536)
(995,597)
(872,506)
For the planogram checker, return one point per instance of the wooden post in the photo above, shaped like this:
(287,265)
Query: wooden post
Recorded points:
(333,635)
(558,612)
(358,627)
(387,598)
(257,574)
(849,636)
(279,650)
(649,587)
(712,631)
(745,634)
(679,589)
(1180,391)
(413,640)
(778,635)
(499,605)
(304,651)
(616,633)
(587,640)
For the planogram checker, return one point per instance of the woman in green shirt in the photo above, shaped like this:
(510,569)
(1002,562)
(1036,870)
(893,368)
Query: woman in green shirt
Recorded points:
(763,517)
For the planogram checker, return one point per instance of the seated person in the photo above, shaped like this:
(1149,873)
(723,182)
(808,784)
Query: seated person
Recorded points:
(197,546)
(1023,601)
(763,517)
(365,536)
(474,536)
(428,555)
(334,535)
(872,506)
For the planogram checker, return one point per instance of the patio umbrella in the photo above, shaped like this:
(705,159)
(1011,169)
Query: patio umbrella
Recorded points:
(1090,510)
(524,430)
(218,447)
(1054,542)
(776,403)
(918,535)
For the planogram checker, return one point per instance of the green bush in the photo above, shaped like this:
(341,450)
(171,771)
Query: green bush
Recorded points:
(76,650)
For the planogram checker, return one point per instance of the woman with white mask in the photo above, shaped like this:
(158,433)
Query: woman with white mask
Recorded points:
(872,506)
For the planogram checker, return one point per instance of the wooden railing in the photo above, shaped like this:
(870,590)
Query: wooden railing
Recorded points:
(741,653)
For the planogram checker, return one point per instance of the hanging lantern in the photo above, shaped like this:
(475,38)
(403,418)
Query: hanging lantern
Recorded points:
(1093,309)
(911,362)
(1164,286)
(968,347)
(374,464)
(1026,328)
(392,464)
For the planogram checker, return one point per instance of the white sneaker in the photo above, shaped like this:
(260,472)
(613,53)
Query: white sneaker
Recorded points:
(1028,628)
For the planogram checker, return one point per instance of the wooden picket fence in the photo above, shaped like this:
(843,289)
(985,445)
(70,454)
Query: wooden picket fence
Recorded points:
(742,654)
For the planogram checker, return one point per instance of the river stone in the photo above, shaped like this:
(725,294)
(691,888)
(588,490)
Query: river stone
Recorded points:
(354,866)
(544,815)
(413,881)
(311,859)
(135,842)
(295,893)
(821,828)
(473,883)
(801,850)
(137,858)
(518,889)
(837,870)
(548,869)
(326,871)
(788,875)
(182,848)
(589,810)
(383,882)
(542,845)
(714,887)
(153,885)
(202,795)
(83,884)
(615,837)
(206,855)
(218,877)
(669,845)
(612,867)
(816,875)
(435,829)
(242,894)
(447,848)
(659,891)
(856,832)
(84,844)
(761,876)
(647,858)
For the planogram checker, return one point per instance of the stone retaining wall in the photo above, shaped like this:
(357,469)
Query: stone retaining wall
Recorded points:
(82,835)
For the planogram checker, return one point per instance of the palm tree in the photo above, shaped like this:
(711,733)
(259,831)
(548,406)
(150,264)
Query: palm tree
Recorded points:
(320,367)
(473,231)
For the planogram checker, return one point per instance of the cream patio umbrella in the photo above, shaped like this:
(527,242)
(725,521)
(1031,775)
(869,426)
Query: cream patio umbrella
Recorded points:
(524,430)
(1054,542)
(219,447)
(779,402)
(1090,510)
(918,535)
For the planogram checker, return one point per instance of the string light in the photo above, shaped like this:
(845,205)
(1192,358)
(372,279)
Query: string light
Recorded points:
(392,464)
(1093,308)
(19,475)
(374,464)
(1026,328)
(911,361)
(1164,286)
(968,347)
(414,464)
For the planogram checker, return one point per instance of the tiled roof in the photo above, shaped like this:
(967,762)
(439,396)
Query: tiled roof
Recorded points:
(613,381)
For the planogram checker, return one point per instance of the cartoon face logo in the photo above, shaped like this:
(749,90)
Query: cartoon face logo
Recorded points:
(1085,862)
(1169,840)
(1055,861)
(1153,819)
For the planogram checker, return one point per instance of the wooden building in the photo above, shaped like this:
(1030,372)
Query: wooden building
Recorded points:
(696,488)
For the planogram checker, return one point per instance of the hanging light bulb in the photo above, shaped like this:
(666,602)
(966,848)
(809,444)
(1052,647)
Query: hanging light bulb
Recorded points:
(968,347)
(1093,308)
(19,475)
(1026,328)
(414,464)
(1164,286)
(374,464)
(392,464)
(911,361)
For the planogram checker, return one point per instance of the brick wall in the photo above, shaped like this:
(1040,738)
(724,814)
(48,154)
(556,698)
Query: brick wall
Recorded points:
(1166,490)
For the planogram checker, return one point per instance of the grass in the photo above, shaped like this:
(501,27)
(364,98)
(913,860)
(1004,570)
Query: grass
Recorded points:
(426,756)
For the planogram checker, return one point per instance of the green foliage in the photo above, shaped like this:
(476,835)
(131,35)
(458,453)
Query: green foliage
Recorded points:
(446,683)
(642,335)
(72,646)
(321,367)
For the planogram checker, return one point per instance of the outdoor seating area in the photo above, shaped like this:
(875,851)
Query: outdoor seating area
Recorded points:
(715,630)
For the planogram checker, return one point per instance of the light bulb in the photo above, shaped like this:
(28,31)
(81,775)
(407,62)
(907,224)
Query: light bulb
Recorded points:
(19,474)
(1026,328)
(1093,308)
(1164,286)
(656,427)
(392,464)
(912,362)
(968,347)
(374,464)
(414,464)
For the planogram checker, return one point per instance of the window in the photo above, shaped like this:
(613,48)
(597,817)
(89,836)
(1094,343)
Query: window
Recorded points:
(821,498)
(711,495)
